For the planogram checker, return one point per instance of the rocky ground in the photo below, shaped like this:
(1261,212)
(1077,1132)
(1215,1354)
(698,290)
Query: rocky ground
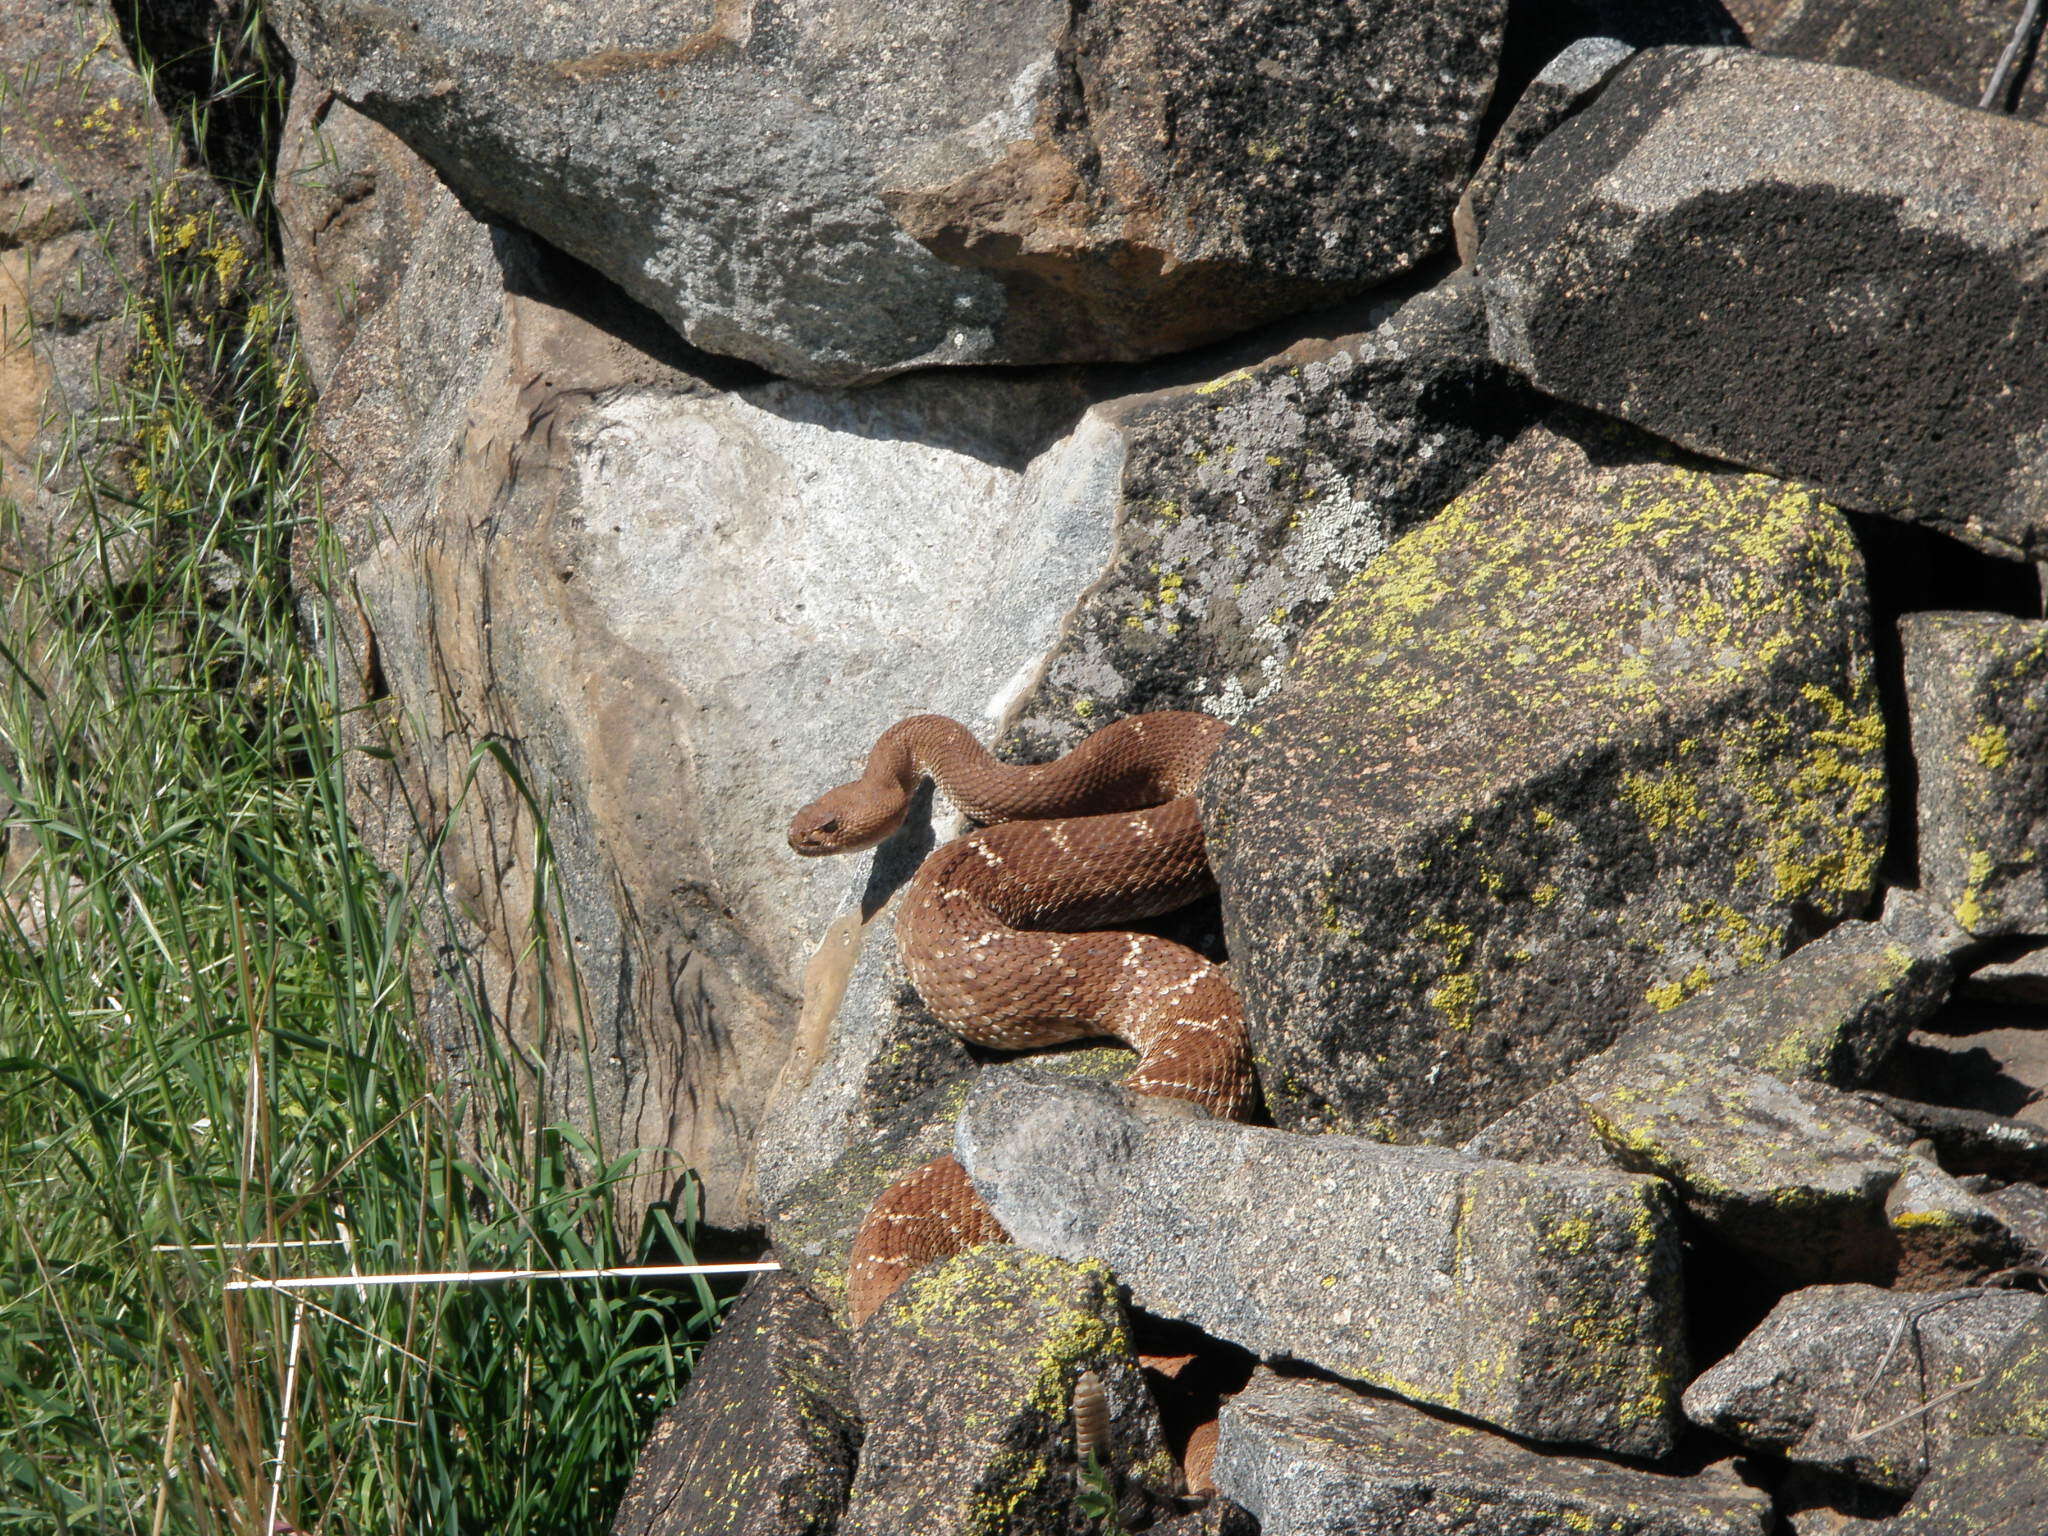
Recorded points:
(1596,456)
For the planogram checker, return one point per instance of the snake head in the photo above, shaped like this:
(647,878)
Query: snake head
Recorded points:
(847,819)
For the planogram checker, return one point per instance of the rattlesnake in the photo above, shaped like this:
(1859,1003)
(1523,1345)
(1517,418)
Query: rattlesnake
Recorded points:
(991,933)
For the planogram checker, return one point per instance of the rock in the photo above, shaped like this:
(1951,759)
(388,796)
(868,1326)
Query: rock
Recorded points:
(95,190)
(1951,50)
(1830,1012)
(1793,1177)
(966,1381)
(1310,1457)
(1560,88)
(861,191)
(2002,1070)
(1977,703)
(2019,982)
(1543,1300)
(1968,1141)
(1988,1486)
(1856,1380)
(1947,1232)
(1892,349)
(764,1439)
(2012,1399)
(1601,732)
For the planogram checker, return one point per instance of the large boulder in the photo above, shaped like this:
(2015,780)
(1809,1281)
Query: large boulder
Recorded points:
(968,1381)
(1857,1381)
(1310,1457)
(1543,1300)
(1800,268)
(1977,706)
(855,190)
(764,1439)
(1602,731)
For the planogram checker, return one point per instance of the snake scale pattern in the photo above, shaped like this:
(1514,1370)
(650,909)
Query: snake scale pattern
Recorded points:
(1001,933)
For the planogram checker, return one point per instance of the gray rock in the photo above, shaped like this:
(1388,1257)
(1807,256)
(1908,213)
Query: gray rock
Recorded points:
(1969,1141)
(1601,732)
(1950,49)
(1992,1485)
(1977,703)
(1560,88)
(1310,1458)
(1831,1012)
(764,1439)
(1946,1231)
(966,1382)
(1543,1300)
(853,191)
(2022,980)
(1856,1380)
(1793,1177)
(1799,268)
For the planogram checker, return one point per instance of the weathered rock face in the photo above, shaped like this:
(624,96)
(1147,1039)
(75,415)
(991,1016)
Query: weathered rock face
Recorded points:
(1309,1457)
(843,193)
(89,172)
(764,1440)
(1858,1381)
(1977,701)
(1544,1300)
(1842,293)
(967,1378)
(1831,1012)
(1952,50)
(1602,731)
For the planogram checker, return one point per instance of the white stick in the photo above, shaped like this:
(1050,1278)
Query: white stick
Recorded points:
(284,1413)
(483,1276)
(307,1242)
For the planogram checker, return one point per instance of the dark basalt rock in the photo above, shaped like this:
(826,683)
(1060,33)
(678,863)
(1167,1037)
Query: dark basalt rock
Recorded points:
(1799,268)
(764,1439)
(1601,732)
(966,1381)
(844,191)
(1977,705)
(1310,1457)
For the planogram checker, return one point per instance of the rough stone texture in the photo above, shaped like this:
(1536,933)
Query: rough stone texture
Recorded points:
(1791,1176)
(1950,49)
(966,1382)
(1544,1300)
(90,177)
(848,191)
(1977,705)
(2020,981)
(1947,1232)
(1830,1012)
(1969,1141)
(1310,1458)
(1994,1485)
(1855,1380)
(1602,731)
(1560,88)
(2002,1068)
(1844,292)
(764,1439)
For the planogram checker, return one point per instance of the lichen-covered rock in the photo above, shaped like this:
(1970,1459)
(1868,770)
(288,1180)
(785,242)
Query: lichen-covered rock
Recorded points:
(764,1439)
(855,190)
(1993,1485)
(1247,500)
(1311,1457)
(1969,1141)
(966,1383)
(1947,1233)
(1844,293)
(1544,1300)
(1791,1176)
(1857,1380)
(1602,731)
(1977,705)
(1950,49)
(1831,1012)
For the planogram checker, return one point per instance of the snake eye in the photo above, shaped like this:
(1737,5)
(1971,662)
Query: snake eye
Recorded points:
(829,824)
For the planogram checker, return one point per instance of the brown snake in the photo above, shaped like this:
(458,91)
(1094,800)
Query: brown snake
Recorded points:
(993,933)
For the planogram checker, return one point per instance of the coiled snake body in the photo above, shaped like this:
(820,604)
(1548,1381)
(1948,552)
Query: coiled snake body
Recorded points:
(994,933)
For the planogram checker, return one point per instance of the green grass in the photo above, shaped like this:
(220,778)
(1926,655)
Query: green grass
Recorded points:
(212,1039)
